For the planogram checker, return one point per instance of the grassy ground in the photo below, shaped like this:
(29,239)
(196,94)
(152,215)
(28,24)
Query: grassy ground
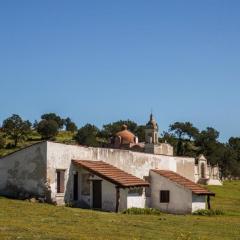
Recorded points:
(24,220)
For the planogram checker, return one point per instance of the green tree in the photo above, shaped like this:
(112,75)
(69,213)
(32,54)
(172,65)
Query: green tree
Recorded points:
(181,130)
(53,116)
(207,142)
(2,141)
(234,145)
(16,129)
(140,133)
(87,135)
(70,125)
(48,129)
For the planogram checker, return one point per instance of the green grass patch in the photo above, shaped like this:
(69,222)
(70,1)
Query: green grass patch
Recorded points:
(208,212)
(25,220)
(138,211)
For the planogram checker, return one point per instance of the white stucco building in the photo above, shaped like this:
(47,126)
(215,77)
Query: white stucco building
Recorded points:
(108,179)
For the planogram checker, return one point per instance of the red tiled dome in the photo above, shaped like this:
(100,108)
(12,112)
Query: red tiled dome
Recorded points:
(126,136)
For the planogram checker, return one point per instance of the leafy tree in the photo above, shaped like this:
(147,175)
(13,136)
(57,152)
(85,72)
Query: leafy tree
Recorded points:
(183,129)
(48,129)
(15,128)
(87,135)
(180,131)
(140,133)
(54,117)
(70,125)
(2,141)
(234,145)
(208,144)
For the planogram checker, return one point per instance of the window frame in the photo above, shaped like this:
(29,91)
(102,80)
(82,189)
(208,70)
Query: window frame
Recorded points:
(164,198)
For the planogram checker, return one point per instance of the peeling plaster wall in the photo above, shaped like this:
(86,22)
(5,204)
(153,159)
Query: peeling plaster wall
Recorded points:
(24,172)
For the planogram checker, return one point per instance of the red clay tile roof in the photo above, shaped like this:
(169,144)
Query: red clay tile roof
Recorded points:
(111,173)
(172,176)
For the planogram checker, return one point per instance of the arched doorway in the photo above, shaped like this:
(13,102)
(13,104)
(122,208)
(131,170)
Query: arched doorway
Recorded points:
(202,170)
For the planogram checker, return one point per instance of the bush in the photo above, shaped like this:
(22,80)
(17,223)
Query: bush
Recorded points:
(145,211)
(2,142)
(207,212)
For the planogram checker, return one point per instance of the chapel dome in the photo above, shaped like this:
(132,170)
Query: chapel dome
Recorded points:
(126,136)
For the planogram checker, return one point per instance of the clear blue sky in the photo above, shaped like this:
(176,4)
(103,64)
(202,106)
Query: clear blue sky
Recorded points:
(101,61)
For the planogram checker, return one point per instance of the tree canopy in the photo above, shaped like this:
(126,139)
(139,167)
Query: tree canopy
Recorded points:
(48,129)
(53,116)
(70,125)
(15,128)
(87,135)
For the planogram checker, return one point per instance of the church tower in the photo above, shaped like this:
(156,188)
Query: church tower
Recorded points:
(152,144)
(151,131)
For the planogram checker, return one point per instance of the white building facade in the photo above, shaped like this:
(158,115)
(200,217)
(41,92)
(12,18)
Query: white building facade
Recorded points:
(47,170)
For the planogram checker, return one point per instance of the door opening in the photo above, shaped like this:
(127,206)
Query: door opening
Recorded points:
(75,186)
(97,194)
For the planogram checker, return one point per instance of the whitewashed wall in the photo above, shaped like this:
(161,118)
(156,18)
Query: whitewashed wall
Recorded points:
(180,197)
(136,200)
(198,202)
(23,172)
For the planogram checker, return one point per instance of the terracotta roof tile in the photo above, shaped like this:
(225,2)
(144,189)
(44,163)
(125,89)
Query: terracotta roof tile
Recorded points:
(111,173)
(194,187)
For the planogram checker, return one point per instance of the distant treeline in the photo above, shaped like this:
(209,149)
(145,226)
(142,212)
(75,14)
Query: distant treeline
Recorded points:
(186,139)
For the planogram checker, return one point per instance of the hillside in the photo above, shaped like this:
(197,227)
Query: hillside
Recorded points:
(34,137)
(24,220)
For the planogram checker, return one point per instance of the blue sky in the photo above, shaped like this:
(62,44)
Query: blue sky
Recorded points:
(101,61)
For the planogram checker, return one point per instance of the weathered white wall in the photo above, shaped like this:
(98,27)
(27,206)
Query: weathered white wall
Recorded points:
(139,164)
(185,166)
(136,200)
(180,197)
(24,172)
(198,202)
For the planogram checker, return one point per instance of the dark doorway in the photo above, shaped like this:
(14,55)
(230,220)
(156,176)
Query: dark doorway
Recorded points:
(202,170)
(97,194)
(75,186)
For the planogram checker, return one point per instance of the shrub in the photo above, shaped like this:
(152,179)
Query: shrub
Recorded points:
(145,211)
(207,212)
(2,142)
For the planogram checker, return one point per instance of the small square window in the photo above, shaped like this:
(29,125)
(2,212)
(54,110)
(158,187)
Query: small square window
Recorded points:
(60,181)
(164,196)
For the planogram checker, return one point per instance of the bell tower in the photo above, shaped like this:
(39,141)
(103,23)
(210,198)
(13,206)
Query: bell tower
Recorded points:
(151,131)
(152,144)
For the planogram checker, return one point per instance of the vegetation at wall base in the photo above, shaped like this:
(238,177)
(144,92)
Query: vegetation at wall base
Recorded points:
(145,211)
(208,212)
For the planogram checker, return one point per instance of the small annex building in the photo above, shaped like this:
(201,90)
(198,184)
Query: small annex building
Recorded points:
(112,188)
(173,193)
